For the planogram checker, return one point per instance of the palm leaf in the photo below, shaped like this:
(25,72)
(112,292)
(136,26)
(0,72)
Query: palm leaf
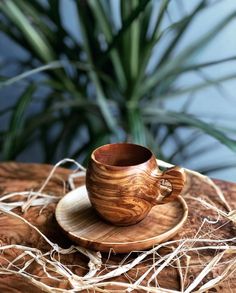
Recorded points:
(29,73)
(175,118)
(167,68)
(147,50)
(112,87)
(198,87)
(12,142)
(185,144)
(35,38)
(126,24)
(103,22)
(103,104)
(36,19)
(160,17)
(137,127)
(217,167)
(194,67)
(181,28)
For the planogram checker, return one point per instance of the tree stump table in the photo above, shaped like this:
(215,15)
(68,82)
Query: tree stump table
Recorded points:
(17,177)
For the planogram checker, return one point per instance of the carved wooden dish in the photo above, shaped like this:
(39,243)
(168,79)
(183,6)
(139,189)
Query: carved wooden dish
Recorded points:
(82,225)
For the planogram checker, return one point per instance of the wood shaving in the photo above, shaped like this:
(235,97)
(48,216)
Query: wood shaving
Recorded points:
(96,279)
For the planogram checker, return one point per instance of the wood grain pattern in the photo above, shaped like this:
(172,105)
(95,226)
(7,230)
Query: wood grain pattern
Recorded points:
(123,183)
(19,177)
(78,219)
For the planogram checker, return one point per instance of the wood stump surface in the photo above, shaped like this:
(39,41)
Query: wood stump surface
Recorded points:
(16,177)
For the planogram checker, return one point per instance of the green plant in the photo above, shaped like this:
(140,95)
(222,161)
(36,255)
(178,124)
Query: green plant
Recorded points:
(102,89)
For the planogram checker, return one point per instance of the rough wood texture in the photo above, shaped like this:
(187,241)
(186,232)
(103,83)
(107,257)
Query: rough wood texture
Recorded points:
(123,183)
(76,216)
(19,177)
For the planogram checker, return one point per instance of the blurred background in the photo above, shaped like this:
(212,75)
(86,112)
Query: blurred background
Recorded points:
(79,74)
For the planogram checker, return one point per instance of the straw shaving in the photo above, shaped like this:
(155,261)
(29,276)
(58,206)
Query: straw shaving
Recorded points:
(178,253)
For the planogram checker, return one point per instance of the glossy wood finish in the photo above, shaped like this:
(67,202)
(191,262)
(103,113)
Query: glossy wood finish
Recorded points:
(20,177)
(81,223)
(123,183)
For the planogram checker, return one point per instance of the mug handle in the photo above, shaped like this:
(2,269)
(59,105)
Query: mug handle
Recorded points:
(176,177)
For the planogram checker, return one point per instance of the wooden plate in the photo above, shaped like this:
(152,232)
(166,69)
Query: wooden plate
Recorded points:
(82,225)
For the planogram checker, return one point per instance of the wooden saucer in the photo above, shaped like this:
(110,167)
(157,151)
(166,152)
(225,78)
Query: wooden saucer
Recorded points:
(80,221)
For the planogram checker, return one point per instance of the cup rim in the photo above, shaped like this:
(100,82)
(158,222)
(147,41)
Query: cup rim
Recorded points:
(121,143)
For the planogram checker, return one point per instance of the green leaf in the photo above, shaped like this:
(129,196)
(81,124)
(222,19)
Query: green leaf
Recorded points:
(6,110)
(29,73)
(156,31)
(42,119)
(145,17)
(197,87)
(54,8)
(217,167)
(102,101)
(147,48)
(125,11)
(183,119)
(36,19)
(181,28)
(35,39)
(84,67)
(84,94)
(185,144)
(200,151)
(74,104)
(168,67)
(12,34)
(194,67)
(126,25)
(136,126)
(134,43)
(94,142)
(103,22)
(12,140)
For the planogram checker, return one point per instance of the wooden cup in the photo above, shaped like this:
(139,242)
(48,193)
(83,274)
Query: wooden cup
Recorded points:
(123,182)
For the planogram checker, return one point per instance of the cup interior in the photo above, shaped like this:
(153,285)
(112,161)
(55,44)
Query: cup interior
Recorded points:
(121,154)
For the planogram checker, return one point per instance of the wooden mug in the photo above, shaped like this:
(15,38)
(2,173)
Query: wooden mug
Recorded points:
(123,182)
